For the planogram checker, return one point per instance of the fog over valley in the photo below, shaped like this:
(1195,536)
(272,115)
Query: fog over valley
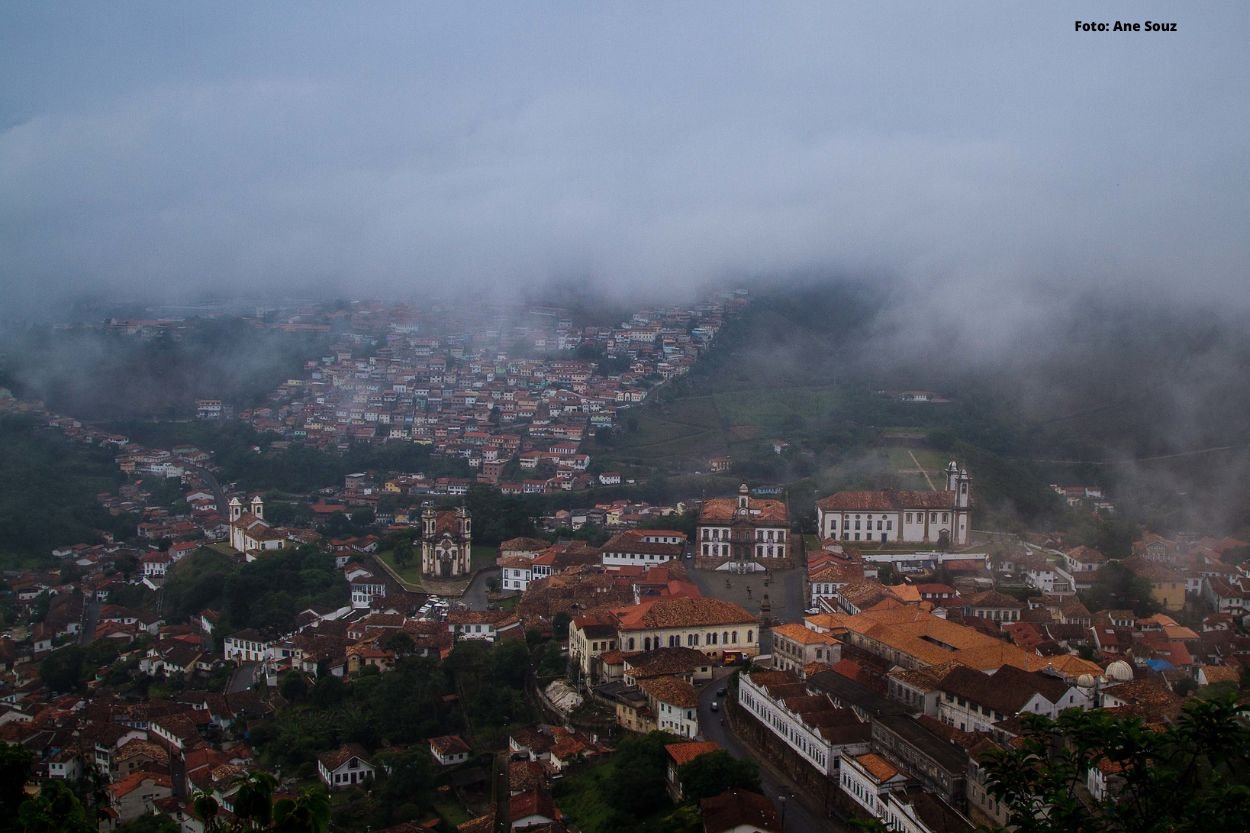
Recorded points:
(987,165)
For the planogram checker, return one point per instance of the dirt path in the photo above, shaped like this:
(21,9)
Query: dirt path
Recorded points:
(921,469)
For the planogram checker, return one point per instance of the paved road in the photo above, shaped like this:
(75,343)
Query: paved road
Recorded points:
(803,813)
(475,594)
(218,494)
(90,619)
(242,679)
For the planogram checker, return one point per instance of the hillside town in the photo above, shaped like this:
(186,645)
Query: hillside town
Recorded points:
(870,663)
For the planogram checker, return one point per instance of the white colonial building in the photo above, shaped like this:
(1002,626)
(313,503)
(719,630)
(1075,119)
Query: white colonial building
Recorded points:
(248,646)
(808,724)
(868,779)
(345,767)
(635,549)
(744,531)
(909,517)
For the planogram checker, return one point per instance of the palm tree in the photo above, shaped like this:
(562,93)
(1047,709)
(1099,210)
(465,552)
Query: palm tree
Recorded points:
(253,802)
(206,808)
(310,813)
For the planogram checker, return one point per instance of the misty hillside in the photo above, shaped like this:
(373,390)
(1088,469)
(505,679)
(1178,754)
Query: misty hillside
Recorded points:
(1096,398)
(95,374)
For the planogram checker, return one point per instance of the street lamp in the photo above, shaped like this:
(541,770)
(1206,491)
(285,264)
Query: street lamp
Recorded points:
(782,799)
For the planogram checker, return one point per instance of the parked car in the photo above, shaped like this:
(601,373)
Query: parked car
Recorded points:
(715,706)
(721,692)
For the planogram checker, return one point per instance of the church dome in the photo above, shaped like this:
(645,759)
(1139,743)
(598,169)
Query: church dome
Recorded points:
(1120,671)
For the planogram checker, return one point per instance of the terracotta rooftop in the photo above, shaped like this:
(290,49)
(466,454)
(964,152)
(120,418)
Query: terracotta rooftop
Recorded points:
(671,690)
(682,611)
(450,745)
(738,809)
(933,640)
(876,766)
(724,510)
(666,661)
(334,760)
(802,635)
(886,501)
(684,753)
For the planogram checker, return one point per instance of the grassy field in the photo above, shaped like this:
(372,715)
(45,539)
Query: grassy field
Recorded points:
(411,572)
(932,462)
(777,410)
(482,556)
(688,431)
(453,814)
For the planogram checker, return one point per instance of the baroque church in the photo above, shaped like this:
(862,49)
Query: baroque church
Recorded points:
(250,533)
(901,517)
(446,538)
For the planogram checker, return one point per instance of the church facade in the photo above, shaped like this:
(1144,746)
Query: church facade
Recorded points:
(904,517)
(446,541)
(744,530)
(250,533)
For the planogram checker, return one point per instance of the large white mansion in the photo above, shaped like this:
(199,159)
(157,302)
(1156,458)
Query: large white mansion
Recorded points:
(907,517)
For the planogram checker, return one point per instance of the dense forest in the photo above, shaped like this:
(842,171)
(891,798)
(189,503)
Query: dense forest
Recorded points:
(265,595)
(48,491)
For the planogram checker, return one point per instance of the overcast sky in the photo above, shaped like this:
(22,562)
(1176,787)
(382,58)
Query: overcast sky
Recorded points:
(979,153)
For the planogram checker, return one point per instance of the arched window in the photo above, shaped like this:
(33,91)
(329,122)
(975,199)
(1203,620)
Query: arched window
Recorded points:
(749,633)
(735,634)
(631,643)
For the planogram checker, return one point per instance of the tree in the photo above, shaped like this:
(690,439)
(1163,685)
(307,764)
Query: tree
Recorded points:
(253,802)
(205,808)
(15,767)
(62,669)
(293,686)
(1191,776)
(55,810)
(403,553)
(149,824)
(713,773)
(310,813)
(1119,588)
(399,642)
(638,774)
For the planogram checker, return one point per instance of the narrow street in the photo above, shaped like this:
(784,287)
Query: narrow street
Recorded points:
(475,594)
(242,679)
(803,813)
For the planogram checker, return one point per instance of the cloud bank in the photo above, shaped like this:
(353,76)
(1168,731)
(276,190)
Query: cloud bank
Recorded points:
(986,158)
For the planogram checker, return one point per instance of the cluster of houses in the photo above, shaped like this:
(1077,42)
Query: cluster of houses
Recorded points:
(465,385)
